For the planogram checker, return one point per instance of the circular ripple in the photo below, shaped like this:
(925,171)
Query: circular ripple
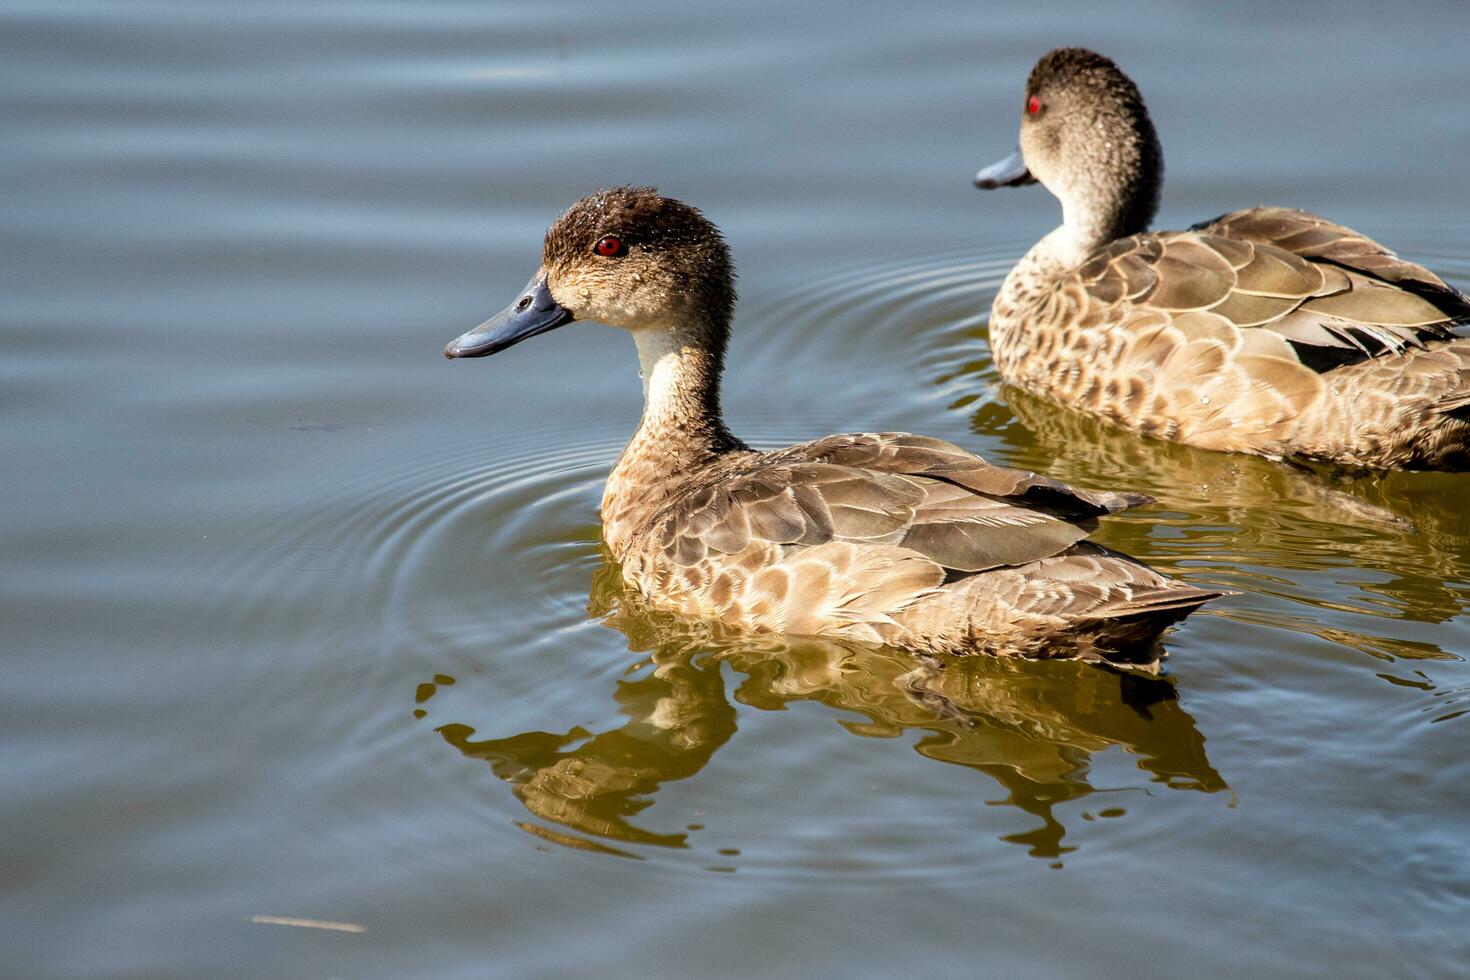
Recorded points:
(462,574)
(547,710)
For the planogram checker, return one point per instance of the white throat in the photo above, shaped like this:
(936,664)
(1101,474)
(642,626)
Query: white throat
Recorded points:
(1099,210)
(1061,250)
(663,353)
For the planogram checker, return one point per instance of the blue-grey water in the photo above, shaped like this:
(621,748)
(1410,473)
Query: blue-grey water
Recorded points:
(301,621)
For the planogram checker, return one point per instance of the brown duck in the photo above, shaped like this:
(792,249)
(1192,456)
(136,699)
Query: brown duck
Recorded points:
(876,537)
(1266,331)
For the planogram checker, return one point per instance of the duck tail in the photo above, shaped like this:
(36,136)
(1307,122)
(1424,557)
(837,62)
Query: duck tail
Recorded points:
(1456,404)
(1443,442)
(1127,632)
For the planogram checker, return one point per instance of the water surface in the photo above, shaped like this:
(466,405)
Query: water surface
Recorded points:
(303,621)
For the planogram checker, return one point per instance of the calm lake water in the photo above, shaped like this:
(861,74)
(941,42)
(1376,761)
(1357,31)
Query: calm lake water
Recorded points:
(302,621)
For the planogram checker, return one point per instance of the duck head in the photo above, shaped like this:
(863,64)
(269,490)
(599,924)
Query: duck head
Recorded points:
(1087,137)
(626,257)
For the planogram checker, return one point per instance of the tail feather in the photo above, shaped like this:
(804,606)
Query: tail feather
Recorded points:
(1173,596)
(1456,404)
(1126,632)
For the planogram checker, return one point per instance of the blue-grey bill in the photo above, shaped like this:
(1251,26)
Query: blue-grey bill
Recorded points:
(532,312)
(1010,172)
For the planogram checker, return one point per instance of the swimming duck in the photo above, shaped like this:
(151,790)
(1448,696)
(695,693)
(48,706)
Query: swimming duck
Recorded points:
(876,537)
(1268,330)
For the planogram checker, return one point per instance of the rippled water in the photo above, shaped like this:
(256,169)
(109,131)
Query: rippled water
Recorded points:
(303,622)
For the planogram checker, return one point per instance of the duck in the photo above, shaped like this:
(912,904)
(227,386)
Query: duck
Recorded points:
(878,537)
(1267,330)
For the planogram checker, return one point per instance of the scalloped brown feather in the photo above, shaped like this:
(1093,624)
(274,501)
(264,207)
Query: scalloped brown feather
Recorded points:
(898,539)
(1269,331)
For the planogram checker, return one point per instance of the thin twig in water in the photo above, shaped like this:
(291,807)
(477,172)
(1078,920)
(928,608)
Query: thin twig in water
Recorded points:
(281,920)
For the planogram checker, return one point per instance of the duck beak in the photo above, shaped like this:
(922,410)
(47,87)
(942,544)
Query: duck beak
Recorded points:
(1010,172)
(532,312)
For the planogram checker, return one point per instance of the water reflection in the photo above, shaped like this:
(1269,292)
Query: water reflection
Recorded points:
(1032,727)
(1392,545)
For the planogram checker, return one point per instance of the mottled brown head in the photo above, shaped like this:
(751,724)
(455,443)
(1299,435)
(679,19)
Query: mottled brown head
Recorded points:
(1087,136)
(633,259)
(626,257)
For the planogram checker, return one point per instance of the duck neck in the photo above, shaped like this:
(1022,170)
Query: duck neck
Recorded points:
(1096,215)
(681,368)
(681,430)
(1114,196)
(1112,191)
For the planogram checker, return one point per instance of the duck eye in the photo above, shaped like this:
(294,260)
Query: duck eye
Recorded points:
(525,302)
(609,246)
(1033,105)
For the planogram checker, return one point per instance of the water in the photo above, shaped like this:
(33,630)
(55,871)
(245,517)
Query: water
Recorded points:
(302,621)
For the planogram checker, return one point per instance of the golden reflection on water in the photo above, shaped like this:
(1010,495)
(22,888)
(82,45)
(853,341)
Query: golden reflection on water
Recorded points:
(1032,727)
(1392,547)
(1396,546)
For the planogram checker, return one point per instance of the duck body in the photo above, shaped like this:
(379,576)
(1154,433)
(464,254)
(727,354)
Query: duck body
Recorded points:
(1267,330)
(884,538)
(888,538)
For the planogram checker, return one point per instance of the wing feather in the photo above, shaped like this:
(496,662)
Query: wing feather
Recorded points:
(1336,297)
(929,498)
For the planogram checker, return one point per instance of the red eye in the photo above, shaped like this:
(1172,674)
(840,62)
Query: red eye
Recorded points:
(1033,105)
(610,245)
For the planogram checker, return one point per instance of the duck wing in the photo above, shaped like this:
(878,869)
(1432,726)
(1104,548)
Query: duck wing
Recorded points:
(1316,239)
(1296,285)
(925,497)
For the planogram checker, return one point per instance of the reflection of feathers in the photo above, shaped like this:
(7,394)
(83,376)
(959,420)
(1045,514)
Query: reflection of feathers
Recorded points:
(1267,330)
(1407,533)
(1030,727)
(902,539)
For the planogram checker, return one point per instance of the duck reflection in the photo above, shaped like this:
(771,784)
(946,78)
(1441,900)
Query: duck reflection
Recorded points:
(1032,727)
(1400,540)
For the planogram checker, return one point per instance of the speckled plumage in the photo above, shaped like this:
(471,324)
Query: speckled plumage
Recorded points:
(890,538)
(874,537)
(1267,330)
